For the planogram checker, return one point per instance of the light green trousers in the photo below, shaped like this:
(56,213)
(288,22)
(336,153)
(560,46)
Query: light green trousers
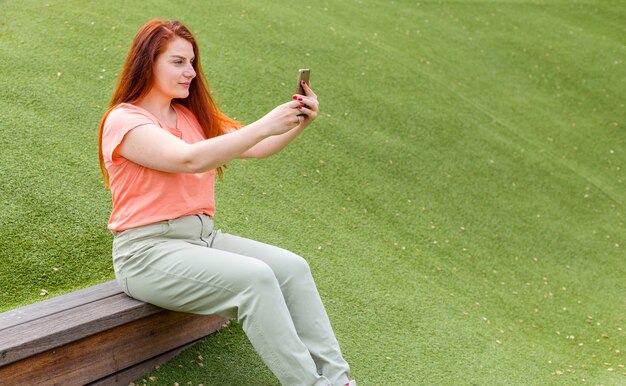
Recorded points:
(185,265)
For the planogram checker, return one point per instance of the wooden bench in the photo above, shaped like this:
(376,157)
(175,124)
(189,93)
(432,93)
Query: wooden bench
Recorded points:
(94,336)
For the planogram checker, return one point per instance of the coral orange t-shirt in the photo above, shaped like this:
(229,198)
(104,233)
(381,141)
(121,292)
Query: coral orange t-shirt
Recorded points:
(141,195)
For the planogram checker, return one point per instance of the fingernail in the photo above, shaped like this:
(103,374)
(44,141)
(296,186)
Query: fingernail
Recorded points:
(299,107)
(294,97)
(299,98)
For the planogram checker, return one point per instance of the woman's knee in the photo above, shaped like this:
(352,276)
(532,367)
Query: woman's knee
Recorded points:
(301,266)
(260,276)
(293,267)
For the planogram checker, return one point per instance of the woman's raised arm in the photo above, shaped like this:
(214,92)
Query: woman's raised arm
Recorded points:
(155,148)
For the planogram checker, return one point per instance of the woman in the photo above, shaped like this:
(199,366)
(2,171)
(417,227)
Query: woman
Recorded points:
(161,142)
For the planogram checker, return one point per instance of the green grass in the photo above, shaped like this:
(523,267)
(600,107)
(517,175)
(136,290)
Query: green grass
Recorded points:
(461,199)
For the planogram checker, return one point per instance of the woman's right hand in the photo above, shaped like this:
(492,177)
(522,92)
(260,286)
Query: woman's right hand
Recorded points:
(282,118)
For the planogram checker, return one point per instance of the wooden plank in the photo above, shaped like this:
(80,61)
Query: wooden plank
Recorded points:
(58,304)
(59,328)
(97,356)
(128,375)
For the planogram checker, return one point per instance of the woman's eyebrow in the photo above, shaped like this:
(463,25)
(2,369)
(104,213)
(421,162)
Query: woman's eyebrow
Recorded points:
(181,57)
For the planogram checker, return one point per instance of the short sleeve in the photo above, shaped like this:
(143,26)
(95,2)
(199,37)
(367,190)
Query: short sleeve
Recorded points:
(118,123)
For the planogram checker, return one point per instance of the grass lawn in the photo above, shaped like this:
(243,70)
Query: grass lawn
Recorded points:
(461,199)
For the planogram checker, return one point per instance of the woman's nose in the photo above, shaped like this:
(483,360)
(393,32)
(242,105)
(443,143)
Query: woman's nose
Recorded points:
(190,72)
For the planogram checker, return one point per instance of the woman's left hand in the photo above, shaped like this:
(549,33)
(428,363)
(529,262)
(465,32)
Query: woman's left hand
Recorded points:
(309,105)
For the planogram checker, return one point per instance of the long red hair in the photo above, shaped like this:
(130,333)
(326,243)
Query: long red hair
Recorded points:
(137,79)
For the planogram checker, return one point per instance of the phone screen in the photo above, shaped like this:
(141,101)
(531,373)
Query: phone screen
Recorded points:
(303,75)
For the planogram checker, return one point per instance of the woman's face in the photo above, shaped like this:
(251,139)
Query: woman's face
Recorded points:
(173,70)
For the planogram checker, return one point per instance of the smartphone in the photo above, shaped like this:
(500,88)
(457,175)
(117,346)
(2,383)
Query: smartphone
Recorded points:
(303,75)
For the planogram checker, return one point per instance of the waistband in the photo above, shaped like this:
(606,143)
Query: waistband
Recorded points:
(181,226)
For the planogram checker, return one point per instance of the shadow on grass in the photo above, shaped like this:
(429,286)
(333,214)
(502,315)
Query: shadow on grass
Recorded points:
(224,358)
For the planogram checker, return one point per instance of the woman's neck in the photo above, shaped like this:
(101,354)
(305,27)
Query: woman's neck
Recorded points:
(160,108)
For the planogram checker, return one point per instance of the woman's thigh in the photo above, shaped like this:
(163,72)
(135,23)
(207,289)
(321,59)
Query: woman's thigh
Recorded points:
(285,264)
(180,276)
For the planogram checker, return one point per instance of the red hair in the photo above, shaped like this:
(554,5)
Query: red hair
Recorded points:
(137,79)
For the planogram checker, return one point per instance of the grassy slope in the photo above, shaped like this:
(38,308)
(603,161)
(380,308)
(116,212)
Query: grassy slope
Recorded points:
(461,199)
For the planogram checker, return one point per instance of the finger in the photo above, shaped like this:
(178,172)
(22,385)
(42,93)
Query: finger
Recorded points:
(293,104)
(310,102)
(307,111)
(307,89)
